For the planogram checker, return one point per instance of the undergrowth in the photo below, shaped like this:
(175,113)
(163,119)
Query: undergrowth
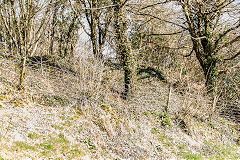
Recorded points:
(61,115)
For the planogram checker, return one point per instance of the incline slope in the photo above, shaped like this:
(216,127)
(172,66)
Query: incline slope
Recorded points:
(66,116)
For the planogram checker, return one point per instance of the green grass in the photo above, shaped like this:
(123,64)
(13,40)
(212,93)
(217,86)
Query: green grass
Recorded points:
(192,156)
(62,139)
(189,155)
(154,131)
(33,135)
(104,107)
(210,124)
(162,137)
(23,145)
(58,127)
(181,147)
(47,146)
(90,144)
(165,120)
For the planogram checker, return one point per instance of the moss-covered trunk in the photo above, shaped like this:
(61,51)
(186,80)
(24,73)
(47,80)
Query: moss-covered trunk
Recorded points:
(208,62)
(211,75)
(122,43)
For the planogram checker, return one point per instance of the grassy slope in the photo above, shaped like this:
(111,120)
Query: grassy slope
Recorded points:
(48,121)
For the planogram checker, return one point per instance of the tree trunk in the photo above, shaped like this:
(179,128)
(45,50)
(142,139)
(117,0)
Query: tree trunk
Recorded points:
(209,65)
(93,27)
(22,74)
(53,29)
(211,75)
(127,77)
(68,50)
(123,45)
(202,22)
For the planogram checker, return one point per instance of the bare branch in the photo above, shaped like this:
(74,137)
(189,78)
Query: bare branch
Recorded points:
(221,36)
(79,20)
(165,34)
(155,4)
(188,55)
(145,14)
(236,39)
(231,58)
(221,6)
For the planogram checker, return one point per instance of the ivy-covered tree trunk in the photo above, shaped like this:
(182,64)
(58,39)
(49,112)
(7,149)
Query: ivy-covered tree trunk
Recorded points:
(207,60)
(209,67)
(123,45)
(211,74)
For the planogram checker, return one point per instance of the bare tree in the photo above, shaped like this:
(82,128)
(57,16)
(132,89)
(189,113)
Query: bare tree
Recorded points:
(210,34)
(64,29)
(52,26)
(23,24)
(150,33)
(210,27)
(95,17)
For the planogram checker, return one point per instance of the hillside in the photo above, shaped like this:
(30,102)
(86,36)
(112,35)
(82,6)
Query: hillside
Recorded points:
(61,115)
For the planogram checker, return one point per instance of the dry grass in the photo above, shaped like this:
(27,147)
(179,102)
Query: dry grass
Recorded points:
(75,116)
